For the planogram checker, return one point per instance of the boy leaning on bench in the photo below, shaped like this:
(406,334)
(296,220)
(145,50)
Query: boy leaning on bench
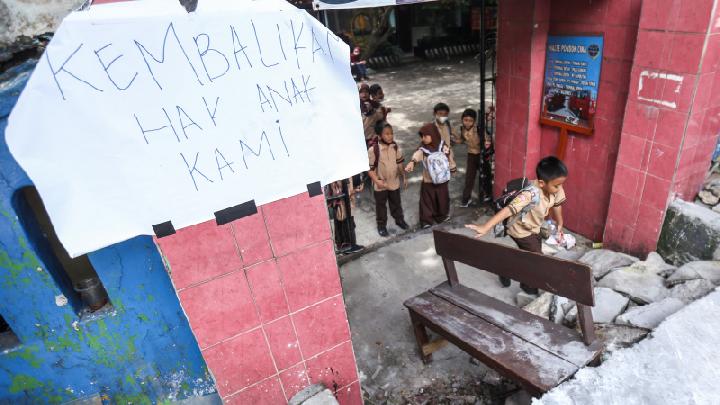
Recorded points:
(527,208)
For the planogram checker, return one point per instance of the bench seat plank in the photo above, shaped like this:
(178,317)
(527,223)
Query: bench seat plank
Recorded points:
(535,368)
(558,339)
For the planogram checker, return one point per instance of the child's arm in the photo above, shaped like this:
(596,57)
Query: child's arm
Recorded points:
(556,213)
(451,160)
(416,157)
(457,139)
(374,177)
(483,229)
(402,174)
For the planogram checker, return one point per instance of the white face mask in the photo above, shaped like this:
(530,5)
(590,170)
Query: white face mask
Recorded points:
(442,120)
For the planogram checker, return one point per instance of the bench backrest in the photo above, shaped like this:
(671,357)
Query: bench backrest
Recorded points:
(561,277)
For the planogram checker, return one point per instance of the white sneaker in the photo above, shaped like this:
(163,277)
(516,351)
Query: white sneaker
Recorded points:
(465,204)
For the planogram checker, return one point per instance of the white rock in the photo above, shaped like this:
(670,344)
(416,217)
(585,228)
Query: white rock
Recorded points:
(571,255)
(656,264)
(541,305)
(557,308)
(649,316)
(323,398)
(692,289)
(548,250)
(603,261)
(637,283)
(708,270)
(608,305)
(708,198)
(619,336)
(522,299)
(571,316)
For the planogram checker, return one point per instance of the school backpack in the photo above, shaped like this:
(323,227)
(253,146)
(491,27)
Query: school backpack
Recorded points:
(437,165)
(513,188)
(376,151)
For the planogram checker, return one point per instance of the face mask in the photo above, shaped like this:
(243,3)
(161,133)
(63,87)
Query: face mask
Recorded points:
(442,120)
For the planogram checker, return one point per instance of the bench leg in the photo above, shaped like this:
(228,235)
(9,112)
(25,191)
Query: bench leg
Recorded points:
(421,336)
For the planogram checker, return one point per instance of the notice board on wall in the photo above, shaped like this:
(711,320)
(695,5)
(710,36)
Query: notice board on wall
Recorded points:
(141,113)
(572,78)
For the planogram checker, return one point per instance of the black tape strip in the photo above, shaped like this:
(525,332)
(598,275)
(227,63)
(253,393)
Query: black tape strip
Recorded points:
(230,214)
(190,5)
(314,189)
(164,229)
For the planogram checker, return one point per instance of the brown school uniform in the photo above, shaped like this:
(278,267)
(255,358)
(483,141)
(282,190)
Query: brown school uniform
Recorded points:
(446,132)
(387,170)
(369,122)
(434,198)
(526,230)
(473,141)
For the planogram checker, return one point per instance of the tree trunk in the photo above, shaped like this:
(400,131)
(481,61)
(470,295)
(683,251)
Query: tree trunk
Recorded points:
(380,32)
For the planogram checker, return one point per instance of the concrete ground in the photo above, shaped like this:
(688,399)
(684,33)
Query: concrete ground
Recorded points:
(375,287)
(412,91)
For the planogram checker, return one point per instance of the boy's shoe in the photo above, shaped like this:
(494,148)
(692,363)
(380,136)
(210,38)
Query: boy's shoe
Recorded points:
(403,225)
(383,231)
(487,199)
(425,226)
(355,248)
(505,281)
(529,290)
(465,204)
(447,218)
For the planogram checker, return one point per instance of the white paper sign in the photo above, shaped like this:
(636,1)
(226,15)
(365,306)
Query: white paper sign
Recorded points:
(140,113)
(351,4)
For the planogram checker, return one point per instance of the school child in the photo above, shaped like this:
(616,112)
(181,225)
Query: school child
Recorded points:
(478,158)
(438,165)
(386,172)
(527,211)
(377,96)
(337,197)
(370,114)
(441,111)
(358,67)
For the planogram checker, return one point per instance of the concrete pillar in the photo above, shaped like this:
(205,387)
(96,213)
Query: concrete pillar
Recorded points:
(264,301)
(522,35)
(671,119)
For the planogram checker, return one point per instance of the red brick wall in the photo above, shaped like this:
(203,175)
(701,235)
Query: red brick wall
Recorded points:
(522,36)
(521,141)
(591,160)
(264,301)
(671,119)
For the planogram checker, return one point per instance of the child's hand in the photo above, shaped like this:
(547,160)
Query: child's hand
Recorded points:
(410,166)
(381,184)
(480,230)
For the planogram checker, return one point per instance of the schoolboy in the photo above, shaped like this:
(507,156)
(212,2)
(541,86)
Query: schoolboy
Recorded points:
(441,112)
(479,149)
(386,172)
(528,210)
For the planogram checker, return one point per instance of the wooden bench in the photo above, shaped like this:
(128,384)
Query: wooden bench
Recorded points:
(533,351)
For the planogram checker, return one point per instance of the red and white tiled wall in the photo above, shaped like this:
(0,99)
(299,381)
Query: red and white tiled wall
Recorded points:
(265,303)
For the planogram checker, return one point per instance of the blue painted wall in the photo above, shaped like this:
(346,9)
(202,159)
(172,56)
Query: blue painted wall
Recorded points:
(142,353)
